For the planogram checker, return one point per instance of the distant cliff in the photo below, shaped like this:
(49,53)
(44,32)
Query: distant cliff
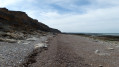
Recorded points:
(20,21)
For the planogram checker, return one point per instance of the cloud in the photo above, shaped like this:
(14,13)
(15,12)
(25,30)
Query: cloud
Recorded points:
(99,20)
(71,15)
(4,3)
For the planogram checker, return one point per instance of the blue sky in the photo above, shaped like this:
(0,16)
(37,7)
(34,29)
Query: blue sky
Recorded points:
(96,16)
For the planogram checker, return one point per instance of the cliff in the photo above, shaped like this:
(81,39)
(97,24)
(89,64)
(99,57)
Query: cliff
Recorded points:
(20,21)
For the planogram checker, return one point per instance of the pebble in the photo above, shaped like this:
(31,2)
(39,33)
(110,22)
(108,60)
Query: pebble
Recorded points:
(97,51)
(32,39)
(26,43)
(100,65)
(18,41)
(104,54)
(117,46)
(46,41)
(40,45)
(111,48)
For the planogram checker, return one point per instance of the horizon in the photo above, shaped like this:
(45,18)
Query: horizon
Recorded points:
(90,33)
(99,16)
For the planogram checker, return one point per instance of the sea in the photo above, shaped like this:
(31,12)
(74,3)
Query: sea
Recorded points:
(96,34)
(103,34)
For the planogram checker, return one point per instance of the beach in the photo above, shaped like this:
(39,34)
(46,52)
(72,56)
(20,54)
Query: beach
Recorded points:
(61,50)
(78,51)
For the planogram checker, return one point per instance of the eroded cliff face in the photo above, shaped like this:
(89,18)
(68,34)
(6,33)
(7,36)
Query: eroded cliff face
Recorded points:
(20,21)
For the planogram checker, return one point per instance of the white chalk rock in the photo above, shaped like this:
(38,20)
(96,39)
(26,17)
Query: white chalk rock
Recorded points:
(101,53)
(46,41)
(41,45)
(111,48)
(18,41)
(97,51)
(32,39)
(26,43)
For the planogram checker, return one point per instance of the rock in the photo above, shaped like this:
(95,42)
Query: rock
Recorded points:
(117,46)
(95,40)
(16,35)
(97,51)
(46,41)
(100,65)
(41,45)
(32,39)
(44,34)
(110,48)
(26,43)
(45,45)
(8,40)
(18,41)
(103,54)
(11,40)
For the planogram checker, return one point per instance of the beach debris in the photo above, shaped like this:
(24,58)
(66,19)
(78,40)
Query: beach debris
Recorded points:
(32,39)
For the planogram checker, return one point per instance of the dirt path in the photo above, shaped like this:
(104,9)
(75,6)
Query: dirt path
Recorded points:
(77,51)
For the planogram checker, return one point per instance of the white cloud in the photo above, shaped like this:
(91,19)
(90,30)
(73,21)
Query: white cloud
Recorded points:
(4,3)
(98,16)
(99,20)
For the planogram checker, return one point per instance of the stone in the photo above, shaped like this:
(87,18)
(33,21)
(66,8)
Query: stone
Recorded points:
(11,40)
(103,54)
(117,46)
(97,51)
(100,65)
(41,45)
(111,48)
(46,41)
(19,41)
(8,40)
(32,39)
(44,34)
(26,43)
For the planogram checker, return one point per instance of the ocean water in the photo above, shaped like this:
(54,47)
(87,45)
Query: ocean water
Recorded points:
(96,34)
(103,34)
(113,34)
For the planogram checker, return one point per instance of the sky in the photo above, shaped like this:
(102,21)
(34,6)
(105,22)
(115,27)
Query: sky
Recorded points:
(89,16)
